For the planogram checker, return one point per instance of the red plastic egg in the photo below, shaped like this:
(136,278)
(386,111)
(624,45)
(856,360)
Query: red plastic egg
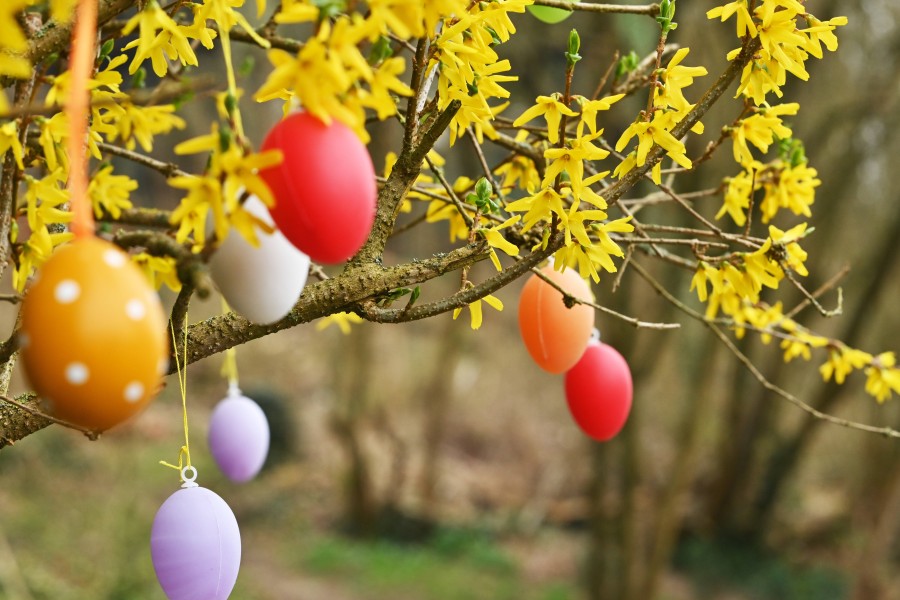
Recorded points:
(599,392)
(93,335)
(554,334)
(324,188)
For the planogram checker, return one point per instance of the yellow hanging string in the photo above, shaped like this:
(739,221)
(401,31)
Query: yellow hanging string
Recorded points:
(232,81)
(229,365)
(184,454)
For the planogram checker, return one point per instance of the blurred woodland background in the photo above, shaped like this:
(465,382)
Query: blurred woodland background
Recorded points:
(429,461)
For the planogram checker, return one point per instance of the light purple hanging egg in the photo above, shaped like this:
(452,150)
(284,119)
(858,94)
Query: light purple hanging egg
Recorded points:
(196,546)
(238,436)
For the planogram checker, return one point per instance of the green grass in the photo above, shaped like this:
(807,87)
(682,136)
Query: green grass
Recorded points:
(456,565)
(734,564)
(77,516)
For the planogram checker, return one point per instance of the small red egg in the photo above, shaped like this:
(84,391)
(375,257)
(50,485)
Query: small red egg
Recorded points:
(555,335)
(93,335)
(599,392)
(324,188)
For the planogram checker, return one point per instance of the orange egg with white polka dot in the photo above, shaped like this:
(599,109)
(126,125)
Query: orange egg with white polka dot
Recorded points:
(93,335)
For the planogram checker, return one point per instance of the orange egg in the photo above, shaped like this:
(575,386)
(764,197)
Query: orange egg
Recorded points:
(555,335)
(93,335)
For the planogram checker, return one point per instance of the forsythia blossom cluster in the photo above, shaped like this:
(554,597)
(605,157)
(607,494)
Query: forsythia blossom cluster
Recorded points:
(564,195)
(669,108)
(785,46)
(468,68)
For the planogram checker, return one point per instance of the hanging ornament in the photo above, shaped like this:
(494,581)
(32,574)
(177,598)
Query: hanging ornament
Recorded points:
(550,14)
(195,543)
(93,335)
(599,391)
(324,188)
(263,282)
(554,334)
(238,436)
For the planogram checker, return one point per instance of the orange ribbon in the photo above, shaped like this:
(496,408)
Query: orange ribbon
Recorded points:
(81,65)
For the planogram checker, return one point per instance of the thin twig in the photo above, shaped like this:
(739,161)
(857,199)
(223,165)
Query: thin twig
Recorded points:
(449,188)
(748,364)
(567,297)
(650,10)
(629,252)
(673,241)
(167,169)
(811,298)
(662,197)
(609,70)
(90,433)
(819,291)
(317,272)
(163,94)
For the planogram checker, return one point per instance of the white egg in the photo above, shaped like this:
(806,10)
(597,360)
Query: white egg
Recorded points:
(260,283)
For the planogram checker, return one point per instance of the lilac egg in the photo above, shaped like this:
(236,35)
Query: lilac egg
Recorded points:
(196,546)
(238,436)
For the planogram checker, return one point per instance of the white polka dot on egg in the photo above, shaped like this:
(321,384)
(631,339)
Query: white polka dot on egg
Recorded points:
(114,258)
(134,391)
(77,373)
(67,291)
(135,309)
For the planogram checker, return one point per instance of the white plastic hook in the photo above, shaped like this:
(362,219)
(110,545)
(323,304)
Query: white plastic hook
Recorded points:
(188,480)
(595,336)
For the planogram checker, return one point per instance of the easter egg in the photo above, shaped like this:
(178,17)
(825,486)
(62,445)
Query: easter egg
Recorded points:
(599,391)
(238,436)
(263,282)
(549,14)
(195,544)
(324,188)
(555,335)
(93,335)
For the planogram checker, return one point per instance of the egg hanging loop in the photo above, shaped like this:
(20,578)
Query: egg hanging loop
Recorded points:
(189,482)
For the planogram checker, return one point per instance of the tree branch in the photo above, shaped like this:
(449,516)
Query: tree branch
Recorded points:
(322,298)
(568,299)
(391,194)
(643,9)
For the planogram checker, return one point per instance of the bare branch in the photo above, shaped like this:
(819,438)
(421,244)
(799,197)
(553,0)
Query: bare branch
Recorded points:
(651,10)
(757,374)
(41,420)
(569,298)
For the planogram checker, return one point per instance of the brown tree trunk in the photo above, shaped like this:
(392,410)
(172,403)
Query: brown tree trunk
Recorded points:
(351,400)
(436,396)
(699,396)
